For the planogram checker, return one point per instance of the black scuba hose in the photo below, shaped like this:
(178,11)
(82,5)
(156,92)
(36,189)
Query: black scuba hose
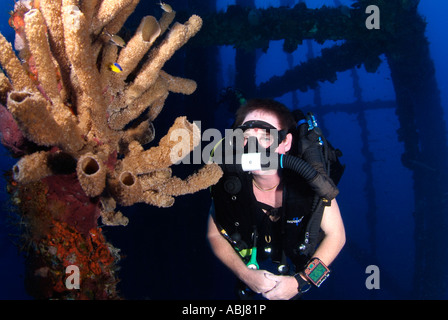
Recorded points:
(298,165)
(321,184)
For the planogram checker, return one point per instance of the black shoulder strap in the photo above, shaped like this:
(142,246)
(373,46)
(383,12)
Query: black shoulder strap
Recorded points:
(312,146)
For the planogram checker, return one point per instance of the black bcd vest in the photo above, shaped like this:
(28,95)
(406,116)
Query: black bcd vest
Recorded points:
(237,213)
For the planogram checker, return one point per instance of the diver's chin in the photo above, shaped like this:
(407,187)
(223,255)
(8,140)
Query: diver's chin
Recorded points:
(264,172)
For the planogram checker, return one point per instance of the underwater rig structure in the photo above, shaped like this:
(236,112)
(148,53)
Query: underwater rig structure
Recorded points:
(401,39)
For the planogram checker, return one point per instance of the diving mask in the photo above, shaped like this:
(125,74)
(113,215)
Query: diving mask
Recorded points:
(251,146)
(260,140)
(264,132)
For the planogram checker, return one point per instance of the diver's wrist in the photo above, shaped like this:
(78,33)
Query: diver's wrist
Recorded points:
(303,283)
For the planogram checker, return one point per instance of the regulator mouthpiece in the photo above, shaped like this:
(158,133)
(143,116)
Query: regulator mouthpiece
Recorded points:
(256,157)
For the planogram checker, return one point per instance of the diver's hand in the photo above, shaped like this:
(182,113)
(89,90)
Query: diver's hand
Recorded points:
(258,281)
(285,287)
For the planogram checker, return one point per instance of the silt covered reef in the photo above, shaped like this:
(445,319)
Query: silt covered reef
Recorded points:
(96,159)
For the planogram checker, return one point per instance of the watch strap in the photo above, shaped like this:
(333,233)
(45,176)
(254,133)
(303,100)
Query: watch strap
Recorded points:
(304,285)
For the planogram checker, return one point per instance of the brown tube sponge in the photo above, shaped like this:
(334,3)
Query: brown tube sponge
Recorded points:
(157,199)
(33,117)
(109,56)
(120,118)
(107,10)
(72,137)
(5,88)
(32,167)
(91,104)
(160,188)
(91,174)
(112,218)
(155,179)
(143,133)
(51,11)
(89,8)
(157,107)
(179,85)
(166,19)
(136,48)
(36,30)
(13,68)
(109,216)
(126,188)
(118,21)
(205,177)
(176,38)
(181,138)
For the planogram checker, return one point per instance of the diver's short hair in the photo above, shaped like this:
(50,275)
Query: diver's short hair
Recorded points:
(283,114)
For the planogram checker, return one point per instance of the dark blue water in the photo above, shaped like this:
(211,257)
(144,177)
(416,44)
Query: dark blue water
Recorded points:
(166,253)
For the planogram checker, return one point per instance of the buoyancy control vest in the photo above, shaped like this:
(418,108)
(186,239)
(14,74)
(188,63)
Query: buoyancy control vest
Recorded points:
(239,216)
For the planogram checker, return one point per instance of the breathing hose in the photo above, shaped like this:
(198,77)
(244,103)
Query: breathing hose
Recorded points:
(321,184)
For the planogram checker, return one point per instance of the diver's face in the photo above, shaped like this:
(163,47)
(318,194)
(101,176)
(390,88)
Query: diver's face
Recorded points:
(264,137)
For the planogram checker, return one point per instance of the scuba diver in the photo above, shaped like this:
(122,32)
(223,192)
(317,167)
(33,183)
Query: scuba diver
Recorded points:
(274,220)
